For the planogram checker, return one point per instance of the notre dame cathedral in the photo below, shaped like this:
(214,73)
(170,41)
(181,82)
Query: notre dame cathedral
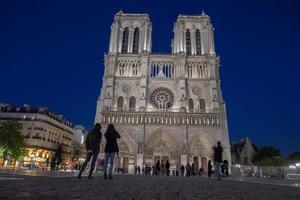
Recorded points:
(165,106)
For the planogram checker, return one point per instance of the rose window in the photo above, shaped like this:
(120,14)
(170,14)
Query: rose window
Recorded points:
(162,98)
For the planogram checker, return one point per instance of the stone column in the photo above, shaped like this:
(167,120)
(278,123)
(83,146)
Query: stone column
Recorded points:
(193,41)
(121,30)
(149,32)
(211,40)
(113,43)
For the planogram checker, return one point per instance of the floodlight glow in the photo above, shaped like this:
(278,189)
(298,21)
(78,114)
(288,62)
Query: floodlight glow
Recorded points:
(292,167)
(237,166)
(297,164)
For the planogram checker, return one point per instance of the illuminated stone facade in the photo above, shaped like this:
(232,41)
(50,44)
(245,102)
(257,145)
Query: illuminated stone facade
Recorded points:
(165,106)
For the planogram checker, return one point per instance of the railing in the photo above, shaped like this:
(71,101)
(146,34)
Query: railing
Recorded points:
(162,118)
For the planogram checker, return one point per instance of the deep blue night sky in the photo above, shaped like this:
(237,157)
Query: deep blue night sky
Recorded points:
(51,54)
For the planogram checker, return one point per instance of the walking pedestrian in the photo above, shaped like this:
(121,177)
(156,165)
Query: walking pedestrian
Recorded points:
(92,145)
(111,148)
(218,150)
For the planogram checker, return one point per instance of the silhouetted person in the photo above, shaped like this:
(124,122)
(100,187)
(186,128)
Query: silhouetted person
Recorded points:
(201,171)
(139,170)
(218,151)
(157,168)
(182,170)
(162,168)
(92,145)
(188,169)
(226,167)
(168,168)
(209,169)
(135,170)
(111,148)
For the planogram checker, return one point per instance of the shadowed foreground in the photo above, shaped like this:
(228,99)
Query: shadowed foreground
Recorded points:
(138,187)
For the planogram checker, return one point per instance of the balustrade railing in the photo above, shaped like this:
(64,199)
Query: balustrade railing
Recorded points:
(162,118)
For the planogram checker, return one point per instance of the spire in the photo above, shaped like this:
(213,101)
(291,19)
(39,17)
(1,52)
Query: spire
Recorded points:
(203,13)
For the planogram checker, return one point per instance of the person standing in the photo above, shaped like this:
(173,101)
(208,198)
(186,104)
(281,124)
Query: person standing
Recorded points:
(182,170)
(162,168)
(226,167)
(139,170)
(188,169)
(209,169)
(111,148)
(157,168)
(218,151)
(168,168)
(92,145)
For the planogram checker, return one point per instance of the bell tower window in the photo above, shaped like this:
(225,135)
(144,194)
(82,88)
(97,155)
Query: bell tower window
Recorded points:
(125,41)
(136,35)
(198,42)
(188,42)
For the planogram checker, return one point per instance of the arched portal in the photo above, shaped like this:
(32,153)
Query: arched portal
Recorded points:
(162,146)
(200,151)
(125,160)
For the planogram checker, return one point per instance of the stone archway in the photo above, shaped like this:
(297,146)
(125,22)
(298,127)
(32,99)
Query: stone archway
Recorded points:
(160,145)
(200,151)
(125,160)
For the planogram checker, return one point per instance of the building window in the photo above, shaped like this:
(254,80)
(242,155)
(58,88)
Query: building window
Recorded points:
(132,103)
(120,103)
(202,105)
(125,41)
(191,104)
(188,42)
(136,35)
(198,42)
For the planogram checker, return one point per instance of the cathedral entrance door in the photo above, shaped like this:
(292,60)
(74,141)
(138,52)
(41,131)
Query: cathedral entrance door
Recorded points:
(204,163)
(125,164)
(156,158)
(196,162)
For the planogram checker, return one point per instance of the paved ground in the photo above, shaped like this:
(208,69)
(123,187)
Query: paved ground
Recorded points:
(67,186)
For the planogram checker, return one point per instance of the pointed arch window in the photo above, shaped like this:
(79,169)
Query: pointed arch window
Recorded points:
(120,103)
(188,42)
(136,36)
(191,105)
(132,103)
(198,42)
(125,41)
(202,105)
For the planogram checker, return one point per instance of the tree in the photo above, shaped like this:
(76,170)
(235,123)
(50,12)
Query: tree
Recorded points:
(11,141)
(269,156)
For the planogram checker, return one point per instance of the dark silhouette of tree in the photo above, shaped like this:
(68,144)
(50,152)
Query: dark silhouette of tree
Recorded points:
(268,156)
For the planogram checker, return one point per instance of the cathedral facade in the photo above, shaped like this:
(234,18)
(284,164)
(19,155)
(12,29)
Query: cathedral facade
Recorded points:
(165,106)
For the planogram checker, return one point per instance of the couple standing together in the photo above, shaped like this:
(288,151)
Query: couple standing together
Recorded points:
(92,145)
